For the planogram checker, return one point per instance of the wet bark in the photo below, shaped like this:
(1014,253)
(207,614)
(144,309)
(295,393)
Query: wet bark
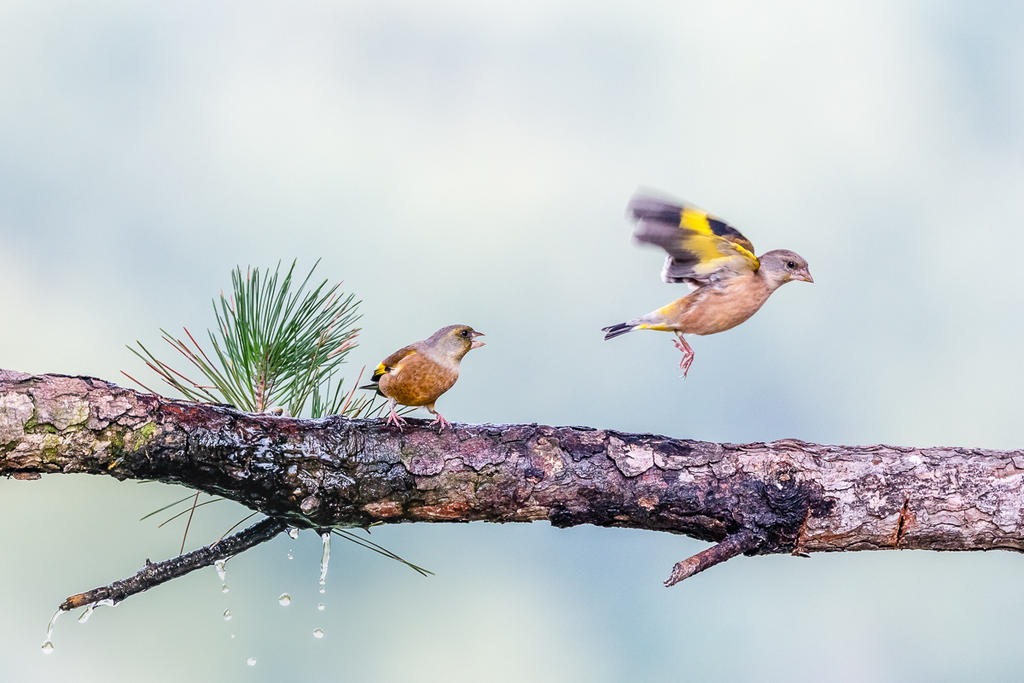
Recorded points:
(779,497)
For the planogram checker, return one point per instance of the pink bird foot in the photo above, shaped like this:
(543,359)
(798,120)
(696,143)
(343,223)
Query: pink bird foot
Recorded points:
(688,354)
(439,420)
(395,419)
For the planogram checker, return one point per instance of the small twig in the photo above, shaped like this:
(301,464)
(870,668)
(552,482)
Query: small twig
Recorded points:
(153,574)
(730,547)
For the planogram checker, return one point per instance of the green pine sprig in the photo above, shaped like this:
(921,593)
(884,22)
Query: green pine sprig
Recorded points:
(278,342)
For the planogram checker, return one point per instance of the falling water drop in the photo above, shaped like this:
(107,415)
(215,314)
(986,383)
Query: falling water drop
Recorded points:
(48,647)
(293,533)
(251,661)
(224,588)
(290,555)
(321,607)
(227,615)
(284,600)
(318,633)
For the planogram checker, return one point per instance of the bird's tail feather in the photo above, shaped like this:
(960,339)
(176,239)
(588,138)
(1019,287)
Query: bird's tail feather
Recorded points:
(374,386)
(613,331)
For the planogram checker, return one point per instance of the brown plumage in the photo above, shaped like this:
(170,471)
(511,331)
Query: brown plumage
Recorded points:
(729,282)
(416,375)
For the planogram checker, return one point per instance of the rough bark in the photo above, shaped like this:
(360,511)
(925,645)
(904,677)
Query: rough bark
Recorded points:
(779,497)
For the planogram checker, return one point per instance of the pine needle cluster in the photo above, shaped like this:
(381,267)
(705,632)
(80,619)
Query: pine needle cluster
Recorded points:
(278,345)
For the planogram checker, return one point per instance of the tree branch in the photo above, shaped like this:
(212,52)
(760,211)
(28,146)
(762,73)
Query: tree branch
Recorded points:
(786,496)
(154,574)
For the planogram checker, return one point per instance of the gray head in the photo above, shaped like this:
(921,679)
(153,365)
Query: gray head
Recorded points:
(455,341)
(782,265)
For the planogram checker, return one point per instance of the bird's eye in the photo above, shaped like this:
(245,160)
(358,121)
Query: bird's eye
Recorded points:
(464,333)
(791,265)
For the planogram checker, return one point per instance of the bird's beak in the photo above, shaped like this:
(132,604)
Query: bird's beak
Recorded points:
(476,344)
(804,275)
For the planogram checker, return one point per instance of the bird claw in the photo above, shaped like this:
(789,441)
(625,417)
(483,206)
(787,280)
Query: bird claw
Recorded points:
(688,354)
(685,363)
(439,420)
(396,420)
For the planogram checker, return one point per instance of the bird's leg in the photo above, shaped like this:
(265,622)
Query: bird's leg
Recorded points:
(439,419)
(393,417)
(688,354)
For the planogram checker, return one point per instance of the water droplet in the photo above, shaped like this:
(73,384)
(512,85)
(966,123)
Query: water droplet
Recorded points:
(48,645)
(322,591)
(251,661)
(284,600)
(321,607)
(290,556)
(232,636)
(325,558)
(221,572)
(318,633)
(224,588)
(293,532)
(227,615)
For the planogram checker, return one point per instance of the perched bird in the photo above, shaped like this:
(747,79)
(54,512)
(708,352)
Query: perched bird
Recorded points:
(729,282)
(417,374)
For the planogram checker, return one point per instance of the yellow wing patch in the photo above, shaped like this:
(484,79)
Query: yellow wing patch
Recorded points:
(712,240)
(389,364)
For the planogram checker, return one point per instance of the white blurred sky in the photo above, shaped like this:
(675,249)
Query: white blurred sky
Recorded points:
(459,162)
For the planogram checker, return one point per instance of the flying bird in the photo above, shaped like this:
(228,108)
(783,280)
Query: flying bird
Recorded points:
(417,374)
(729,283)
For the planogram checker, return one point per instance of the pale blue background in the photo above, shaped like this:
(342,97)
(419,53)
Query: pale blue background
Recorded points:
(460,162)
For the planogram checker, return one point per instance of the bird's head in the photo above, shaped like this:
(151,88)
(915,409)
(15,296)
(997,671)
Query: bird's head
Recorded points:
(455,341)
(782,265)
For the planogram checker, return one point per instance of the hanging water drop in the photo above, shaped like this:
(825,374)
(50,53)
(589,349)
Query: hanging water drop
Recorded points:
(251,661)
(227,615)
(222,574)
(86,614)
(325,558)
(318,633)
(284,600)
(48,644)
(293,533)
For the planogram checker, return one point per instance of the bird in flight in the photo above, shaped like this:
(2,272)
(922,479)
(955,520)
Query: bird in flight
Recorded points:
(417,374)
(729,283)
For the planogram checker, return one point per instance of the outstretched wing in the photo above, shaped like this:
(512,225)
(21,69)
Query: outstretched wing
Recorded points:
(701,249)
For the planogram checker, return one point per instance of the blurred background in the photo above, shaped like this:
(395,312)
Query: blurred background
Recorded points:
(463,162)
